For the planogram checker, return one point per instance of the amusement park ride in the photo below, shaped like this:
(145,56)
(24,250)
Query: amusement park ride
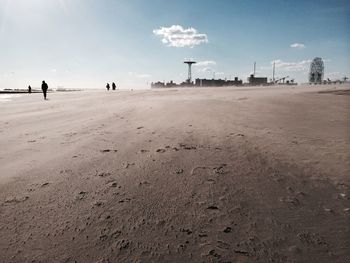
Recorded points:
(316,72)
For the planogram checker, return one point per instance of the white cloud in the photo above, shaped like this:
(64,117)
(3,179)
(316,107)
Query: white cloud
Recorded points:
(205,63)
(177,36)
(205,66)
(53,70)
(205,69)
(292,66)
(297,46)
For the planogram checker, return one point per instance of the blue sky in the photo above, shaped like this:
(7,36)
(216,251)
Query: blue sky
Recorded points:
(86,43)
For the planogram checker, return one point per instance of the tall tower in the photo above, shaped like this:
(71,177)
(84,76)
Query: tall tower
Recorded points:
(189,63)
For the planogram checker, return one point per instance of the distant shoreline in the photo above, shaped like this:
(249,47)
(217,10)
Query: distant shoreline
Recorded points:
(17,91)
(33,91)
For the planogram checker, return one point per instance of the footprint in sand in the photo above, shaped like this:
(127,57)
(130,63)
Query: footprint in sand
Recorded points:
(187,147)
(187,231)
(66,171)
(113,184)
(123,244)
(103,174)
(242,252)
(311,238)
(144,183)
(220,169)
(212,207)
(195,169)
(202,234)
(124,200)
(160,150)
(70,134)
(81,195)
(179,171)
(227,230)
(127,165)
(108,150)
(15,200)
(97,203)
(291,201)
(223,245)
(213,253)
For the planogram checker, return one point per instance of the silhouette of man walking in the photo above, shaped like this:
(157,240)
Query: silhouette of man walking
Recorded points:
(29,89)
(44,87)
(107,86)
(114,86)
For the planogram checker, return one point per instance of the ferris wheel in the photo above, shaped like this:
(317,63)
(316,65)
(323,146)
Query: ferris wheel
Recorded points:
(316,71)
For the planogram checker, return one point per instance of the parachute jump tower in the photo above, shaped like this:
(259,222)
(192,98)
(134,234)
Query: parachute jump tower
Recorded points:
(189,63)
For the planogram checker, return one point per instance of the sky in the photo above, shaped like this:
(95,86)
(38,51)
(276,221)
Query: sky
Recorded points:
(87,43)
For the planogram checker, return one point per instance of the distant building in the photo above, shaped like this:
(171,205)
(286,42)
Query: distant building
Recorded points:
(217,82)
(157,85)
(235,82)
(257,81)
(171,84)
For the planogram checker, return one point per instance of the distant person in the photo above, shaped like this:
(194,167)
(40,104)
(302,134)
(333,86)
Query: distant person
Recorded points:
(114,86)
(44,87)
(29,89)
(107,86)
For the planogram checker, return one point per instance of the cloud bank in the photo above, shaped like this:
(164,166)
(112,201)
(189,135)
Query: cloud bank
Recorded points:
(205,66)
(205,63)
(297,46)
(292,66)
(177,36)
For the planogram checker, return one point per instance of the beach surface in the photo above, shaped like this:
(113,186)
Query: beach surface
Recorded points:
(177,175)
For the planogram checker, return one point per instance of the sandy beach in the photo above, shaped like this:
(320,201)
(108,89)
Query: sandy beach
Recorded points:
(177,175)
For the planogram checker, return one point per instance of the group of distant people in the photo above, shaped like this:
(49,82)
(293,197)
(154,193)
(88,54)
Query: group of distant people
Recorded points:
(113,86)
(44,88)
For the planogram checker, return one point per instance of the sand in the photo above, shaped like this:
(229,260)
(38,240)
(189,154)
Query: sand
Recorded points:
(178,175)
